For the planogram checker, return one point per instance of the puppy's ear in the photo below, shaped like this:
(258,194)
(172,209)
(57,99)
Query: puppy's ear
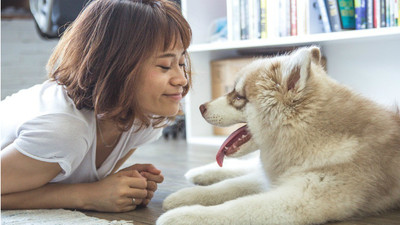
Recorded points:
(299,64)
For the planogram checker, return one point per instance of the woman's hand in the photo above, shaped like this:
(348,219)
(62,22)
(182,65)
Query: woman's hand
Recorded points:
(153,177)
(115,192)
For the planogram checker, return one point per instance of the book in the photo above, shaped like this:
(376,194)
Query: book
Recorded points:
(360,14)
(233,19)
(324,16)
(236,20)
(376,13)
(272,18)
(382,10)
(370,14)
(314,18)
(244,20)
(346,10)
(397,13)
(301,17)
(333,14)
(293,17)
(388,14)
(284,18)
(263,18)
(254,19)
(223,77)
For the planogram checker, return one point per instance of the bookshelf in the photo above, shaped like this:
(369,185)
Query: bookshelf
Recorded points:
(365,60)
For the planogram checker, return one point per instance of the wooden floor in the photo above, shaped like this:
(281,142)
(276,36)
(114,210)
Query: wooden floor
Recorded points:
(174,158)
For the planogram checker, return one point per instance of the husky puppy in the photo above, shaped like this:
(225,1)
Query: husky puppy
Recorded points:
(327,154)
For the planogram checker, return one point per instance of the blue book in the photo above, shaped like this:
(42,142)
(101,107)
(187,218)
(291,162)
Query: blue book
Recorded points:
(360,7)
(333,14)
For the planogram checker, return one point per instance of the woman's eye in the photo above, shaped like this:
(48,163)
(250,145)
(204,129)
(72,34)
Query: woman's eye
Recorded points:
(165,67)
(182,65)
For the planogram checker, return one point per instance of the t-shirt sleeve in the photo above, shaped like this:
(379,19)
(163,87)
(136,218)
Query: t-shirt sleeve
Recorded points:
(55,138)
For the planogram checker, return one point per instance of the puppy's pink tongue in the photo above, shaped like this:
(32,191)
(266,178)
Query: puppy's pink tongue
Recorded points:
(228,147)
(220,156)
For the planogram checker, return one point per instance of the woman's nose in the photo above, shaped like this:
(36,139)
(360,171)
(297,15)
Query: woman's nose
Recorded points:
(179,78)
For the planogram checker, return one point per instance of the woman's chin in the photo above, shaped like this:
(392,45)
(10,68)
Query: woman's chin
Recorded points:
(169,113)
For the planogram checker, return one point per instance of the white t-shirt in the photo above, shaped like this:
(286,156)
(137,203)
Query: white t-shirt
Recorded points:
(43,123)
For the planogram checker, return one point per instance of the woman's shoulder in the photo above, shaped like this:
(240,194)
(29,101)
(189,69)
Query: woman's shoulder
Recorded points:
(45,106)
(45,100)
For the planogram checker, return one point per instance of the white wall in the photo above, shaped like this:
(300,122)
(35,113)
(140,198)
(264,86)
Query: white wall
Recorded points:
(370,67)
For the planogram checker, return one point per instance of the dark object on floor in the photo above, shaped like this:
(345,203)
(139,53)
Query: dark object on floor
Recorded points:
(176,130)
(52,17)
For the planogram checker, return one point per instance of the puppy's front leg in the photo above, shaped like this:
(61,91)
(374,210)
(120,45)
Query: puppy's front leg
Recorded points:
(303,201)
(212,173)
(217,193)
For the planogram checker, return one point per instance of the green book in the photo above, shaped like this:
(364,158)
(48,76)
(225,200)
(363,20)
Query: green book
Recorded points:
(347,12)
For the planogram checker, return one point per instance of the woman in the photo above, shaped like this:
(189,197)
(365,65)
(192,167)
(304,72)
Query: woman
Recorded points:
(115,78)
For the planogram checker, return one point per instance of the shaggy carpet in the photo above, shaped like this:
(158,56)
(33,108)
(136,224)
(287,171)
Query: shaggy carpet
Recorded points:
(53,217)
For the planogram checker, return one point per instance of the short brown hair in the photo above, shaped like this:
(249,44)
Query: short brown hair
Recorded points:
(99,57)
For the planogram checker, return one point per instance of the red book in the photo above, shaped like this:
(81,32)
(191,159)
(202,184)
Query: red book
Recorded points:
(293,17)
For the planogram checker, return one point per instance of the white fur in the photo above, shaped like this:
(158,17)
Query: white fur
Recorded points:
(326,153)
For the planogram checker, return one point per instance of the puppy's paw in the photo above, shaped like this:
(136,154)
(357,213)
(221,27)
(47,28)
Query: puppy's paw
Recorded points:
(180,198)
(191,196)
(204,175)
(188,215)
(212,173)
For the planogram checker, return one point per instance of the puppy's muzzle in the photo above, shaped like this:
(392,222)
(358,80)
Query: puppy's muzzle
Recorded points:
(203,109)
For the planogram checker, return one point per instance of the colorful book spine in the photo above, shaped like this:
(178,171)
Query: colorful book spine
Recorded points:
(333,14)
(293,17)
(256,25)
(263,19)
(376,11)
(244,20)
(284,18)
(272,18)
(346,8)
(360,14)
(382,9)
(236,19)
(388,14)
(314,18)
(324,16)
(370,15)
(396,13)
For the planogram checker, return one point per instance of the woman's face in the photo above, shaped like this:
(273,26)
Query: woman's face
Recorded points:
(161,82)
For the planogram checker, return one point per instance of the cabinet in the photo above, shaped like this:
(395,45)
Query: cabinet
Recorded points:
(367,61)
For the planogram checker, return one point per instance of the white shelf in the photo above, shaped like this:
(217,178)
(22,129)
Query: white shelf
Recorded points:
(365,60)
(353,35)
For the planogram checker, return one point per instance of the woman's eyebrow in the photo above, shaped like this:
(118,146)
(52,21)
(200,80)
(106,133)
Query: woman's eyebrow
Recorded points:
(166,55)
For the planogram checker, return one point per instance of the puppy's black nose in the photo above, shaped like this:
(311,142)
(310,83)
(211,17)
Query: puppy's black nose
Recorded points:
(203,109)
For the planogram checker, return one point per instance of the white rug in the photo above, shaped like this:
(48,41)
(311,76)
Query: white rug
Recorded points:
(53,217)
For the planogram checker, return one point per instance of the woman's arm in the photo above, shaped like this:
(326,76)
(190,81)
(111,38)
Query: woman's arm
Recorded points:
(25,185)
(21,173)
(112,194)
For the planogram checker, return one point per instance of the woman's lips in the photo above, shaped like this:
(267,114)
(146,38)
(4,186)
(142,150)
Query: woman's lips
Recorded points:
(175,97)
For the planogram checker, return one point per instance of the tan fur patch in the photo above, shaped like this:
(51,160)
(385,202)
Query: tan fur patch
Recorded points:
(294,77)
